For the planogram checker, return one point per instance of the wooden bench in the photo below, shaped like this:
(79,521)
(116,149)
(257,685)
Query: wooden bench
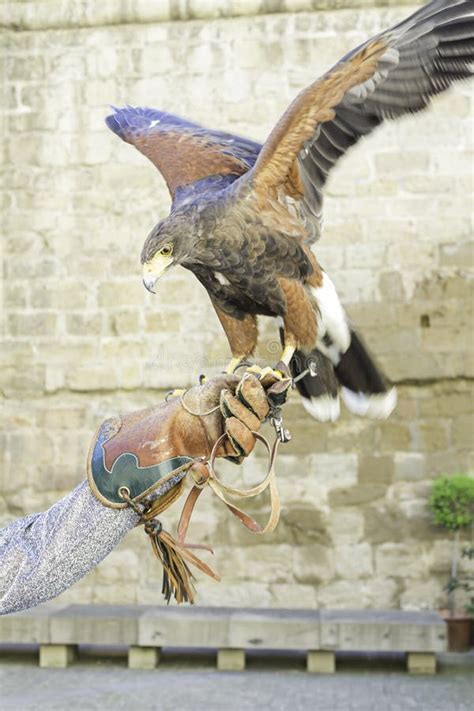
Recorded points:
(144,629)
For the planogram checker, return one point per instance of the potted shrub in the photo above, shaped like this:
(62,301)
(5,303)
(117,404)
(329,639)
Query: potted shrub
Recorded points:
(466,583)
(452,506)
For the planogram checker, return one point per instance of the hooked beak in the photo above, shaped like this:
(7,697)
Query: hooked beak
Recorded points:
(149,282)
(153,269)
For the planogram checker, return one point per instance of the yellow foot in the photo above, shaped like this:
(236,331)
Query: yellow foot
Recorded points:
(266,372)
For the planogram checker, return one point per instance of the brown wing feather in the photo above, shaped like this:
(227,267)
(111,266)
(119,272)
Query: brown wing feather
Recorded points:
(184,158)
(182,151)
(275,164)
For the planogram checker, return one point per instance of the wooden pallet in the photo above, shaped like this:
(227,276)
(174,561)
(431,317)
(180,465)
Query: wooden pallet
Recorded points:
(59,629)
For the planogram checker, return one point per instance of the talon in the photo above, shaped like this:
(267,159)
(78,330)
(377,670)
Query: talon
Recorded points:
(266,372)
(177,392)
(234,364)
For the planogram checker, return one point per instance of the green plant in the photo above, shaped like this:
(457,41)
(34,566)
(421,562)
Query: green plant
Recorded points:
(452,501)
(452,506)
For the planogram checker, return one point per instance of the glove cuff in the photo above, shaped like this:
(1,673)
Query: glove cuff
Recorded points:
(161,482)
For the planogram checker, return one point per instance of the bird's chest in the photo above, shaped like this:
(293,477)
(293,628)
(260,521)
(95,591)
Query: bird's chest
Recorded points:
(235,295)
(241,263)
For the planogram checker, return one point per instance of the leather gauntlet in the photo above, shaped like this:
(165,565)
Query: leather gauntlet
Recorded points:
(141,459)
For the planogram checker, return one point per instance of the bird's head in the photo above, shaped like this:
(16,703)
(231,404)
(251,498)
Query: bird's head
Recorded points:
(164,247)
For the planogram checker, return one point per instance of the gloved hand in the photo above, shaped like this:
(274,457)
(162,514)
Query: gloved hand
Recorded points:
(141,449)
(141,459)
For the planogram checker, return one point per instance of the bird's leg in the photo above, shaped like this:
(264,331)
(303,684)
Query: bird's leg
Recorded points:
(281,369)
(287,354)
(234,363)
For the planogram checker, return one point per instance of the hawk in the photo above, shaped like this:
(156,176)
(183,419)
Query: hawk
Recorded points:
(245,216)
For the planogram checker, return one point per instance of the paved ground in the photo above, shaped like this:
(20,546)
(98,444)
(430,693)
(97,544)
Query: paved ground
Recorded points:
(277,683)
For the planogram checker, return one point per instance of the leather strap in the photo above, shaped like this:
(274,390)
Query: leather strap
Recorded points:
(203,475)
(268,482)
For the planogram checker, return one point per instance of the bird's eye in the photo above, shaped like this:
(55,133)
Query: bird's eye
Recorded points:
(167,250)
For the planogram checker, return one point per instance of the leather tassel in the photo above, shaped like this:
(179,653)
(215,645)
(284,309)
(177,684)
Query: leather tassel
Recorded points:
(174,557)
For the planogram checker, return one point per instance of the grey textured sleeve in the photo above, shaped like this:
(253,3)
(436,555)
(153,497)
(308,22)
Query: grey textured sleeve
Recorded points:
(43,554)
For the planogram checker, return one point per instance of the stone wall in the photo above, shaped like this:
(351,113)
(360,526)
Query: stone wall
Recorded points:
(82,339)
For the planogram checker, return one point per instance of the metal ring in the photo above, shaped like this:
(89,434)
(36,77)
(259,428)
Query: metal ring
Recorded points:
(124,492)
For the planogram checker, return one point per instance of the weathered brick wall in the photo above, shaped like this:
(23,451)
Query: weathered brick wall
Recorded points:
(82,339)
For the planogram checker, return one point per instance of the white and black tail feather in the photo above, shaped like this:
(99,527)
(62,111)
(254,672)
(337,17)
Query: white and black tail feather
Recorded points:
(364,388)
(343,365)
(320,394)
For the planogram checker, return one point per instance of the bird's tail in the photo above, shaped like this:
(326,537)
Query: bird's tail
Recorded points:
(343,365)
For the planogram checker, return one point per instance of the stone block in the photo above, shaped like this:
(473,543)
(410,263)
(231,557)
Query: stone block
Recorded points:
(431,435)
(463,431)
(61,296)
(422,595)
(84,378)
(97,624)
(294,596)
(421,663)
(167,321)
(275,559)
(22,381)
(143,657)
(346,525)
(313,564)
(360,494)
(450,404)
(321,662)
(231,659)
(274,629)
(66,353)
(453,254)
(343,593)
(401,560)
(84,324)
(121,350)
(382,630)
(391,286)
(122,293)
(352,435)
(353,561)
(394,436)
(395,164)
(32,324)
(56,656)
(96,89)
(365,255)
(409,466)
(332,471)
(54,378)
(124,323)
(377,470)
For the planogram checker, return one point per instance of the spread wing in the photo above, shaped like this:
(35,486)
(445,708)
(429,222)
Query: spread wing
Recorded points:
(182,151)
(395,73)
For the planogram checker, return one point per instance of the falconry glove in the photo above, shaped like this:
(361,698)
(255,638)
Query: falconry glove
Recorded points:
(143,458)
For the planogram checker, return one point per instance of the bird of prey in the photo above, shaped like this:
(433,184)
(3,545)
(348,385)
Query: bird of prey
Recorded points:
(244,216)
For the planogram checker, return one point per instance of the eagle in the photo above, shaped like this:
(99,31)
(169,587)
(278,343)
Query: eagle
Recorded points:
(245,217)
